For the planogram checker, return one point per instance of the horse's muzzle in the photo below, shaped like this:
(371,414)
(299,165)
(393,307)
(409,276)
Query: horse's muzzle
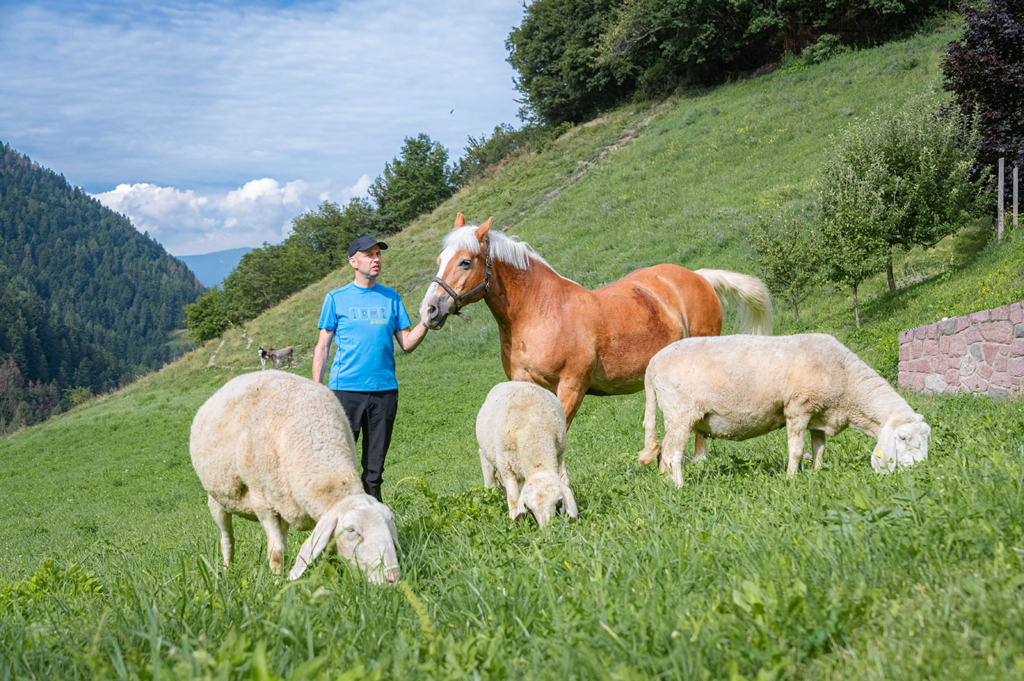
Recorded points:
(436,313)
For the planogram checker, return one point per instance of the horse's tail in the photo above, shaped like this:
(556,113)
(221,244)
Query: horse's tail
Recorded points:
(754,313)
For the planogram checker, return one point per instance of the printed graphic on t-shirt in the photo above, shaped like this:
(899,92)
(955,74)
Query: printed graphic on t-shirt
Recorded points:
(374,315)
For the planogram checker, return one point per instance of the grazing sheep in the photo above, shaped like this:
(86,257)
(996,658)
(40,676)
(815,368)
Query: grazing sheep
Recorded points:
(521,432)
(275,447)
(739,387)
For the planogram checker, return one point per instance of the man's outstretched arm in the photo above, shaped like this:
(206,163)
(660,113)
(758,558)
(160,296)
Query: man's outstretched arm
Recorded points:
(410,337)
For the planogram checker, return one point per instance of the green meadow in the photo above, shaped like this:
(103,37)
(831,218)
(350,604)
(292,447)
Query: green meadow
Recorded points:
(109,560)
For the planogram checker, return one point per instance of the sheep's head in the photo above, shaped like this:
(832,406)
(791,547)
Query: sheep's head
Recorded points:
(901,445)
(364,532)
(544,497)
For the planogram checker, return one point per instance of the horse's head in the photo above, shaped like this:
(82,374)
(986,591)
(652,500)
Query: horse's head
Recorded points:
(461,276)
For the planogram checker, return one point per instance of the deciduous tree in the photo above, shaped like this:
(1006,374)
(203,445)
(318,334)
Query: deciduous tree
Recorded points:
(415,182)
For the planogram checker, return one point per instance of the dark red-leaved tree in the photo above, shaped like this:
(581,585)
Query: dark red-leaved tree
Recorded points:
(985,71)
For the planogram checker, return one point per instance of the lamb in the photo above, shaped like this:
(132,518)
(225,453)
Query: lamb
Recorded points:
(275,447)
(739,387)
(521,433)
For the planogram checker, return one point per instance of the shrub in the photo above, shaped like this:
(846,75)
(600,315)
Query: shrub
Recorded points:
(788,255)
(902,178)
(207,317)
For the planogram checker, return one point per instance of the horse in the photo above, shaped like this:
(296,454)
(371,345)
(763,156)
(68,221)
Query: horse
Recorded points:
(572,341)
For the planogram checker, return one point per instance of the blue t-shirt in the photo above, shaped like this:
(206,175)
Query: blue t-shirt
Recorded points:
(364,321)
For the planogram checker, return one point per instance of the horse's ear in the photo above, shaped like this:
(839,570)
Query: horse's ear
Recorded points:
(460,220)
(483,229)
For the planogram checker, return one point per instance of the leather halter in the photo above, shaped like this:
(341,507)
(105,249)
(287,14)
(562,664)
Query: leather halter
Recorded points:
(484,286)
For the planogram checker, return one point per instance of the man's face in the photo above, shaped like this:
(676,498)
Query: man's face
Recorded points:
(367,262)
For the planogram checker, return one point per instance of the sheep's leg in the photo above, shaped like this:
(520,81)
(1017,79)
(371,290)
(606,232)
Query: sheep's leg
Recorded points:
(275,542)
(699,449)
(796,428)
(488,470)
(563,473)
(284,527)
(570,499)
(672,450)
(652,450)
(511,494)
(818,447)
(227,532)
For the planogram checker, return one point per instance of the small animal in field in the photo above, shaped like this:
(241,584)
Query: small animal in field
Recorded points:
(521,433)
(740,387)
(278,448)
(275,356)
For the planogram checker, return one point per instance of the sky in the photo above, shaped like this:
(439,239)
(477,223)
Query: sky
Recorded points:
(212,124)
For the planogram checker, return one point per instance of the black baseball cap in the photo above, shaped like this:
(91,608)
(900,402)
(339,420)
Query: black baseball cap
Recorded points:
(365,243)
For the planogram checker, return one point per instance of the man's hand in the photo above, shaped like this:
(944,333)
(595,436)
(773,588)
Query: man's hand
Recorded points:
(409,338)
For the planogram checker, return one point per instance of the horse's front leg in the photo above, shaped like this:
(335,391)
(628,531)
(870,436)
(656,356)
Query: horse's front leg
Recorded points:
(571,393)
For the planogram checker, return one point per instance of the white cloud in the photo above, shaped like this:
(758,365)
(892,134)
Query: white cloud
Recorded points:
(188,223)
(212,95)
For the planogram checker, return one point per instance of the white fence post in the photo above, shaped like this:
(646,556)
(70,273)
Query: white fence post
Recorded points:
(1016,206)
(999,207)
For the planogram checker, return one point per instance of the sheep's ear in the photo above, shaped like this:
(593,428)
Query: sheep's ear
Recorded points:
(394,532)
(884,450)
(460,220)
(315,544)
(570,503)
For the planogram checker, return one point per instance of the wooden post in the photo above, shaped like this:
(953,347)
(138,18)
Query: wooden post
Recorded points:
(1016,206)
(999,206)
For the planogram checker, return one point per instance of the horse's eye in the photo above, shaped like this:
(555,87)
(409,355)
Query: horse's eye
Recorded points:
(464,264)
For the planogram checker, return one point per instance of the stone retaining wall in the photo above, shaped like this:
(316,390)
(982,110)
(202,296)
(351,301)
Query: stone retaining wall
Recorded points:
(981,353)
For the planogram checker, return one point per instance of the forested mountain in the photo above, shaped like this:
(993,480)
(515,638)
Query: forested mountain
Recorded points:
(85,300)
(211,268)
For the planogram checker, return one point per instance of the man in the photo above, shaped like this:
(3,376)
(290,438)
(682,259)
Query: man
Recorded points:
(363,317)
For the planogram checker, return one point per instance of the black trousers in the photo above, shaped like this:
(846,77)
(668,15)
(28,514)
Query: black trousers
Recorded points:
(371,414)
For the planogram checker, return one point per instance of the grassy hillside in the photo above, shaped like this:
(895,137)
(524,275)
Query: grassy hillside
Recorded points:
(110,565)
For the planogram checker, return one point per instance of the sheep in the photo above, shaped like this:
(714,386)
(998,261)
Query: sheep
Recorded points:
(739,387)
(275,447)
(521,433)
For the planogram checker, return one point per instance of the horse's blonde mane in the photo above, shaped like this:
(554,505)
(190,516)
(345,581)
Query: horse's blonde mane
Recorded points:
(509,250)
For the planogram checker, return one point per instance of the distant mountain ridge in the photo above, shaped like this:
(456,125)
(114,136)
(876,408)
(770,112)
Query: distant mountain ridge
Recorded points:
(86,301)
(212,268)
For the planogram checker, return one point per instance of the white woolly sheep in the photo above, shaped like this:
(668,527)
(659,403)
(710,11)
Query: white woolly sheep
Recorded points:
(276,447)
(521,433)
(739,387)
